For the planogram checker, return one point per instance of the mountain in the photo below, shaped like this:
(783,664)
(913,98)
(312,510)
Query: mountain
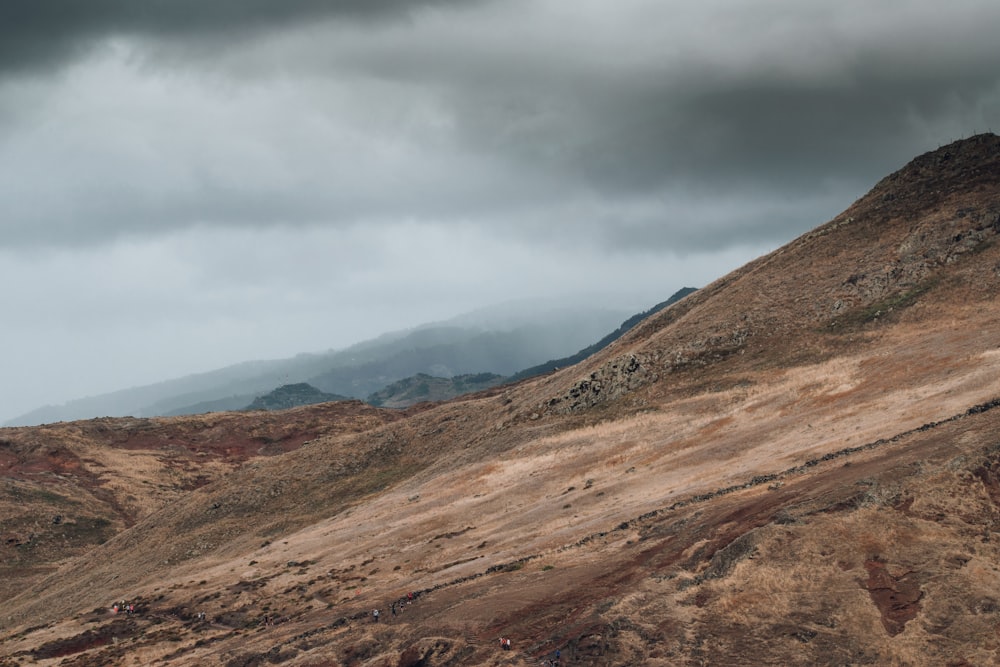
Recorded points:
(797,464)
(503,339)
(422,387)
(292,396)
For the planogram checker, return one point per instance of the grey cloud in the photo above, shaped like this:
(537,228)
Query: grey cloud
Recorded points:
(37,34)
(816,106)
(498,115)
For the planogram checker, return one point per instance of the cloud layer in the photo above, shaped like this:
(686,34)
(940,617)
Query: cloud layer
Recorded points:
(228,160)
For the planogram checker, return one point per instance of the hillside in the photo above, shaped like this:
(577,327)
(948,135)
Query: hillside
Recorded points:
(795,465)
(68,487)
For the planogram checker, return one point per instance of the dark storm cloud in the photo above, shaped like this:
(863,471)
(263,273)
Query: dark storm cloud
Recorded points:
(44,33)
(753,128)
(831,92)
(682,126)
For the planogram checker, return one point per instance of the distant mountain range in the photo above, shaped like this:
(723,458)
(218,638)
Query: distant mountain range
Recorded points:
(501,340)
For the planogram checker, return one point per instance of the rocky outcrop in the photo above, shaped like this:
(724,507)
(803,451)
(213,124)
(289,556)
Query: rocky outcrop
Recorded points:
(616,378)
(629,372)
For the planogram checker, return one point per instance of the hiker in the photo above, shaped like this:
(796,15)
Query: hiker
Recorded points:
(375,615)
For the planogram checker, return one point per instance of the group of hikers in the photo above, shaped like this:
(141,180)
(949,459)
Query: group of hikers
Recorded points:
(123,607)
(396,607)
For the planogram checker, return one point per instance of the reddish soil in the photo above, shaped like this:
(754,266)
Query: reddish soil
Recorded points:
(896,596)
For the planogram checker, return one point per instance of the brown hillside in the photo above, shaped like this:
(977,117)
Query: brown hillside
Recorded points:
(70,486)
(796,465)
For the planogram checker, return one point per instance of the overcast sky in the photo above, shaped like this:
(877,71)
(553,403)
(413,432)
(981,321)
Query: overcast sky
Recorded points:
(190,184)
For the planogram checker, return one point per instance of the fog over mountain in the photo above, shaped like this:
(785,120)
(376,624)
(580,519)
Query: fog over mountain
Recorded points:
(502,340)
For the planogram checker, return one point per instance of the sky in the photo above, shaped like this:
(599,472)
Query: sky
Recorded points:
(187,184)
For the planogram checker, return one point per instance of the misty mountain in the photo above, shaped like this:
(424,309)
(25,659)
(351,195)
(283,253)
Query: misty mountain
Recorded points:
(501,340)
(444,352)
(444,357)
(423,387)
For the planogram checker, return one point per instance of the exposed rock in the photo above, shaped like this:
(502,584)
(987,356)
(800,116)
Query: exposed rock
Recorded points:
(613,380)
(725,559)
